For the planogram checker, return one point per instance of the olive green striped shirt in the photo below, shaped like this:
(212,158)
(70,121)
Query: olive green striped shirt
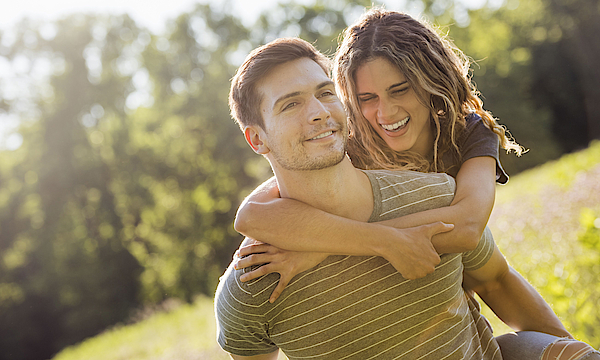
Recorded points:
(360,307)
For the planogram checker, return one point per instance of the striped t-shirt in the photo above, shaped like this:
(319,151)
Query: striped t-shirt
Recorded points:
(360,307)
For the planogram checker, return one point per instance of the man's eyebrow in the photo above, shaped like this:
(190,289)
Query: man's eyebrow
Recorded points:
(324,84)
(296,93)
(284,97)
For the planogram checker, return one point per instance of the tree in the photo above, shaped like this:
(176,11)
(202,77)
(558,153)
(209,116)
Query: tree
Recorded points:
(66,273)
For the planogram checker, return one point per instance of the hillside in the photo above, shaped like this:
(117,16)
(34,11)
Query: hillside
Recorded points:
(546,221)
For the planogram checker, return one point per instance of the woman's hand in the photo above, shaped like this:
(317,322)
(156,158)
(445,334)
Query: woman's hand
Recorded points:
(414,256)
(274,260)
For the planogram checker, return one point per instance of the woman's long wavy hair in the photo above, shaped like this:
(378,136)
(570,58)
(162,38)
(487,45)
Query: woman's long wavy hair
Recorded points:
(436,69)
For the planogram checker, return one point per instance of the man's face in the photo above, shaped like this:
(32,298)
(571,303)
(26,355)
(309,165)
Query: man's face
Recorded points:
(305,122)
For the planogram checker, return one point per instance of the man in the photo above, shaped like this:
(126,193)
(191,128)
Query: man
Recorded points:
(354,307)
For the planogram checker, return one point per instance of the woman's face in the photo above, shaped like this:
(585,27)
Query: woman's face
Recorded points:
(392,107)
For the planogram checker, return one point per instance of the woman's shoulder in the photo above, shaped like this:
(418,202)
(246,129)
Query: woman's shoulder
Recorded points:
(474,122)
(475,132)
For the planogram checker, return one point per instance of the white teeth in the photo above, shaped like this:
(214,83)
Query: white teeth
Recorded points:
(397,125)
(322,135)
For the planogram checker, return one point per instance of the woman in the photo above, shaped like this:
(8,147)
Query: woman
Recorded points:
(411,105)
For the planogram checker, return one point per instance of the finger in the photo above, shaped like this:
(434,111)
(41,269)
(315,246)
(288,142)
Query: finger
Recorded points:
(254,249)
(261,271)
(254,259)
(435,259)
(283,282)
(247,241)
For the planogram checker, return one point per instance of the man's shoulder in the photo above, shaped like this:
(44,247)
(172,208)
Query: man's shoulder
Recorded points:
(240,310)
(233,291)
(401,192)
(409,177)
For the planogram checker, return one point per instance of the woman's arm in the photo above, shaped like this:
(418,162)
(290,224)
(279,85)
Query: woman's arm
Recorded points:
(293,225)
(469,211)
(512,298)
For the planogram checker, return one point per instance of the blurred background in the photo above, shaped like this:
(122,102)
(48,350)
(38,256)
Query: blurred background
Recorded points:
(121,169)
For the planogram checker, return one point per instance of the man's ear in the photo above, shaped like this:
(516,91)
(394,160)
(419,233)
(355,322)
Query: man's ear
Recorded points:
(255,138)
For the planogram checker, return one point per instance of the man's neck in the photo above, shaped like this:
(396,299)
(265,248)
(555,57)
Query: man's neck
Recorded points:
(342,189)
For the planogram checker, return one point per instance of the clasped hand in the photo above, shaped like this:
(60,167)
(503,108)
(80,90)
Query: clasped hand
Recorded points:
(409,251)
(274,260)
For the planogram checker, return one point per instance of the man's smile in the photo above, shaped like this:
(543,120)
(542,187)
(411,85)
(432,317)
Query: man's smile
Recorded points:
(323,135)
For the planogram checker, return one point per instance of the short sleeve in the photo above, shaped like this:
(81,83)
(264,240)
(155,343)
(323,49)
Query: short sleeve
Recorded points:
(240,326)
(479,140)
(475,259)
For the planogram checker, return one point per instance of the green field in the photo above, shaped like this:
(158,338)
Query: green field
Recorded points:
(546,221)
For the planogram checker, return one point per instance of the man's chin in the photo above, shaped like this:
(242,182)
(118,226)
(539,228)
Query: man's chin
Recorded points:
(312,164)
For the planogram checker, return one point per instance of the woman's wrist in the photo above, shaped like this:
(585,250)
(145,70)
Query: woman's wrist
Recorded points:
(377,242)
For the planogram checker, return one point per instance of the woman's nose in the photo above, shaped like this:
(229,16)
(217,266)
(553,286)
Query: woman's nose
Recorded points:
(386,109)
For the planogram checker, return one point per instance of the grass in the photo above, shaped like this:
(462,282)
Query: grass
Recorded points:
(539,220)
(559,173)
(536,223)
(186,333)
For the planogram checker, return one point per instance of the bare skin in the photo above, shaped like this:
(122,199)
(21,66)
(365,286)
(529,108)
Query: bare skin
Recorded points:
(385,99)
(503,288)
(272,220)
(345,192)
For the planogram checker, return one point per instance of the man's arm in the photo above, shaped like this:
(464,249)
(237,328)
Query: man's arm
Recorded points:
(269,356)
(512,298)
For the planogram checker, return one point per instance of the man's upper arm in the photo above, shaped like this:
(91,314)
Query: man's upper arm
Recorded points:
(241,327)
(269,356)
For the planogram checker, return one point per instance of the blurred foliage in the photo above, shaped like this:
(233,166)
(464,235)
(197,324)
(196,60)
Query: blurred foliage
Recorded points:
(536,68)
(550,233)
(125,186)
(180,332)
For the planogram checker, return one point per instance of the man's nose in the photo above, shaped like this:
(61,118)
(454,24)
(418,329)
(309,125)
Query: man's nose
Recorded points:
(317,111)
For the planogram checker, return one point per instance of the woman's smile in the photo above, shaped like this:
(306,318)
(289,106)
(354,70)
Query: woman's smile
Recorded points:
(391,105)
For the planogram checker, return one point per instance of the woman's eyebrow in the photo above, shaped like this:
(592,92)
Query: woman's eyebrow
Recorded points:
(396,85)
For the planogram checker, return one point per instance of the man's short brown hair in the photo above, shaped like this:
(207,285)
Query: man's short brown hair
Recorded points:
(244,98)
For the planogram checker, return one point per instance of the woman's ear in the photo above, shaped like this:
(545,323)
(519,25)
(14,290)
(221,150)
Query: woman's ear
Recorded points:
(255,138)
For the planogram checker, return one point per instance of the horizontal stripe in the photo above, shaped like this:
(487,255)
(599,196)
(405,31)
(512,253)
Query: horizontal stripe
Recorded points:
(359,308)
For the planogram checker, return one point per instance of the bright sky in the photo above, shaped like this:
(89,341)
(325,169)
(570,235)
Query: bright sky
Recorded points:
(150,13)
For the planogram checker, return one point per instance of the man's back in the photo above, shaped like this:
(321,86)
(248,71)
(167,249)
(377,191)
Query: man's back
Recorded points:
(351,307)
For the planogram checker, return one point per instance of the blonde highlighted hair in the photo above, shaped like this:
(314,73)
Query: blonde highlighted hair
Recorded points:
(435,68)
